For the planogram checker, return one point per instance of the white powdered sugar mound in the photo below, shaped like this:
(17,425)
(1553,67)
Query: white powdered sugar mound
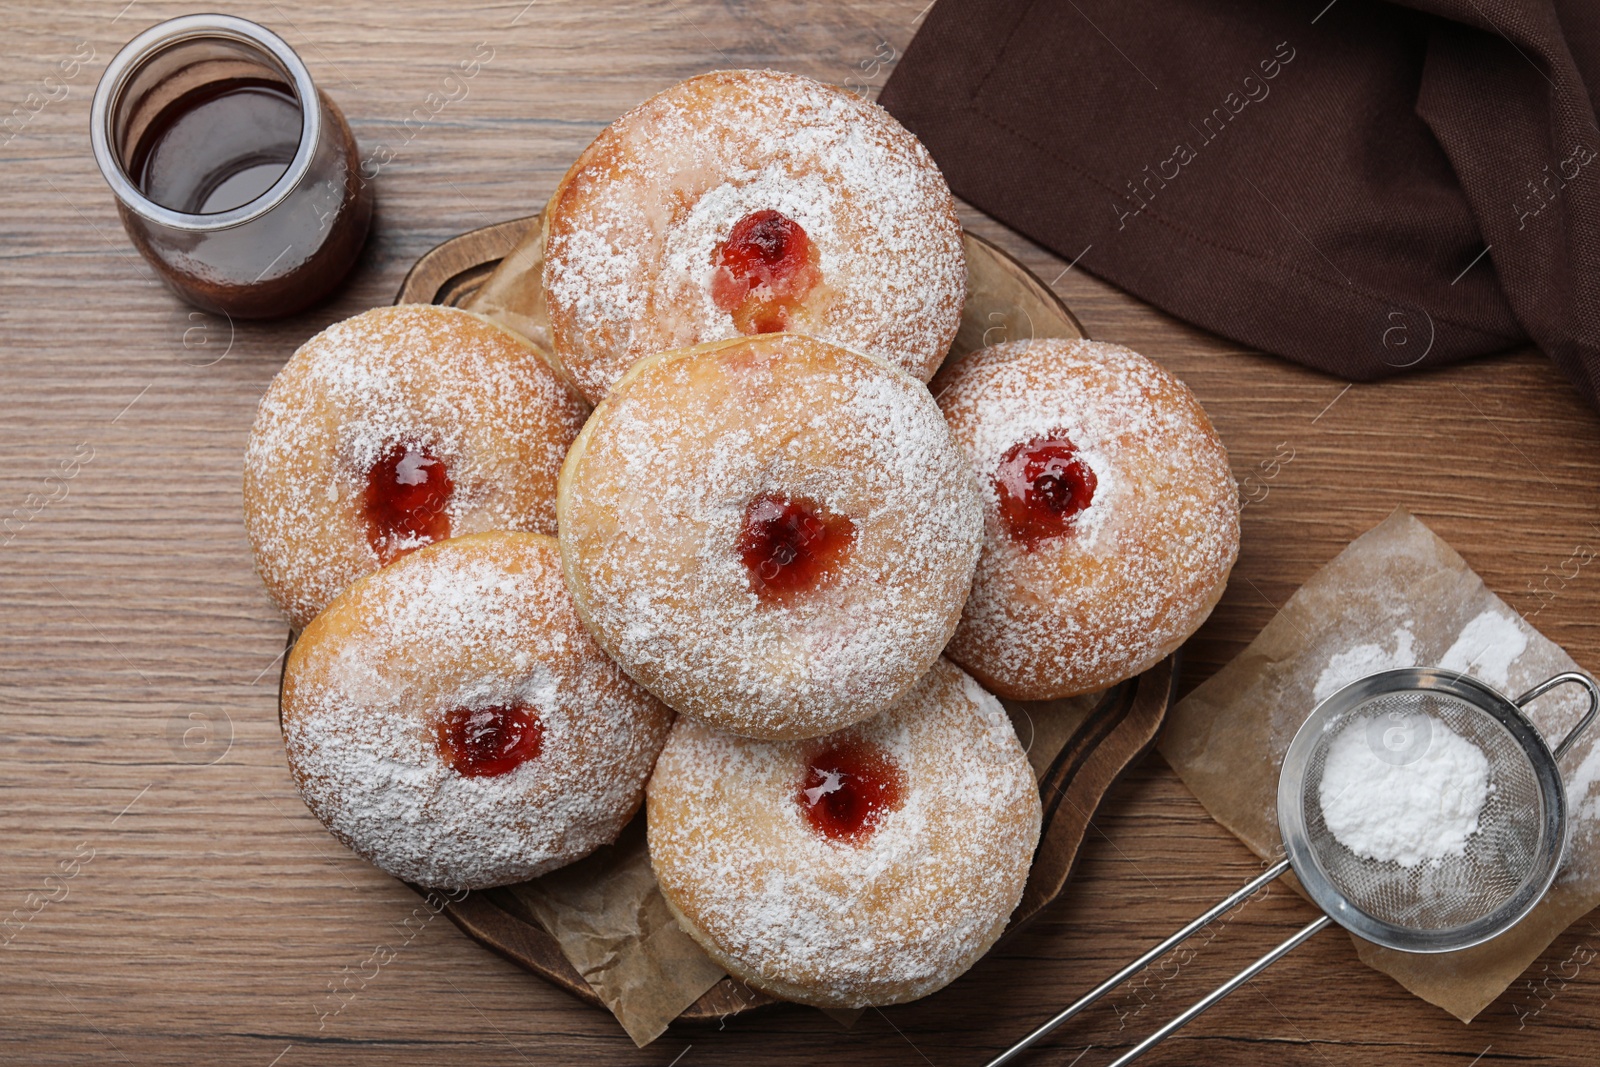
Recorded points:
(1408,810)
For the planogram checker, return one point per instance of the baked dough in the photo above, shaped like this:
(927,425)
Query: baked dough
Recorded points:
(826,470)
(1082,585)
(797,905)
(419,392)
(449,719)
(745,201)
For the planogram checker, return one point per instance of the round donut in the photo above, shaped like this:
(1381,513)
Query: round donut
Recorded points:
(391,430)
(868,867)
(773,534)
(449,719)
(744,202)
(1111,519)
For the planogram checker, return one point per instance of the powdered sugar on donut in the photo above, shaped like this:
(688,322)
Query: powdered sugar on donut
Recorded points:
(634,228)
(480,400)
(470,623)
(1144,562)
(655,493)
(835,923)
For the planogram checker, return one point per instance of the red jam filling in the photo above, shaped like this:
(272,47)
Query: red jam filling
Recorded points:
(488,742)
(848,789)
(764,270)
(1043,485)
(407,492)
(792,545)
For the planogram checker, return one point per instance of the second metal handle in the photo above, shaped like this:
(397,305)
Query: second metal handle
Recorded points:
(1577,678)
(1234,899)
(1221,991)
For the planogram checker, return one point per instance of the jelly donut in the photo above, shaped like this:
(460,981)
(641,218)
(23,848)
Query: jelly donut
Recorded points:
(1111,519)
(744,202)
(773,533)
(870,866)
(449,719)
(392,430)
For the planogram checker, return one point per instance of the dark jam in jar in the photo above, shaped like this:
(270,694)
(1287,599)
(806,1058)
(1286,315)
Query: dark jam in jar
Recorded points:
(220,147)
(848,789)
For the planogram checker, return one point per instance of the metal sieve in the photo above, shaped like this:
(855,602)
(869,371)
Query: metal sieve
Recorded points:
(1441,905)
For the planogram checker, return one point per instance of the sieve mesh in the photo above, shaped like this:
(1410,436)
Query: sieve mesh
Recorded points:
(1452,891)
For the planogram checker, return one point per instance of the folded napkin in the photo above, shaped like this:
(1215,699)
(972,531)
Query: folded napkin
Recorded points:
(1360,186)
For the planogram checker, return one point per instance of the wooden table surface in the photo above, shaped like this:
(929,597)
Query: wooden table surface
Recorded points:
(170,898)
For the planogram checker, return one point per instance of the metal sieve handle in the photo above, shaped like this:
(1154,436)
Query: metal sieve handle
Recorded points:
(1221,991)
(1565,678)
(1234,899)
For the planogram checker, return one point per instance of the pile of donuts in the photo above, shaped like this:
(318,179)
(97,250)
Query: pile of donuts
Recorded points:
(723,551)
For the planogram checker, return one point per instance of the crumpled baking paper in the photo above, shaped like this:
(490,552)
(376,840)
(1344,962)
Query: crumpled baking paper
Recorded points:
(1396,596)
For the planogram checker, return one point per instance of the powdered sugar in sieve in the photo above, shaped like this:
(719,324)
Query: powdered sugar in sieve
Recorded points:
(1419,809)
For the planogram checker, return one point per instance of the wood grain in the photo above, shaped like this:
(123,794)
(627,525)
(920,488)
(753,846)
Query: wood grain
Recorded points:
(215,922)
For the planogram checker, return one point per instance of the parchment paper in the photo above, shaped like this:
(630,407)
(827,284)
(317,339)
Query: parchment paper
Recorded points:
(1397,596)
(614,927)
(513,295)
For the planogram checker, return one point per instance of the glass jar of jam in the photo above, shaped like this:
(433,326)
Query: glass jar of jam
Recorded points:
(236,178)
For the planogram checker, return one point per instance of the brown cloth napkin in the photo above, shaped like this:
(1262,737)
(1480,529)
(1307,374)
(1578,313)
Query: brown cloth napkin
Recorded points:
(1318,179)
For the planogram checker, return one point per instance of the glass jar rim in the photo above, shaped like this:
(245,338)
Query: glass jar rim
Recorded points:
(159,39)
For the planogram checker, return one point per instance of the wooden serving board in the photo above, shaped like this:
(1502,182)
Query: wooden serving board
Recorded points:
(1078,747)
